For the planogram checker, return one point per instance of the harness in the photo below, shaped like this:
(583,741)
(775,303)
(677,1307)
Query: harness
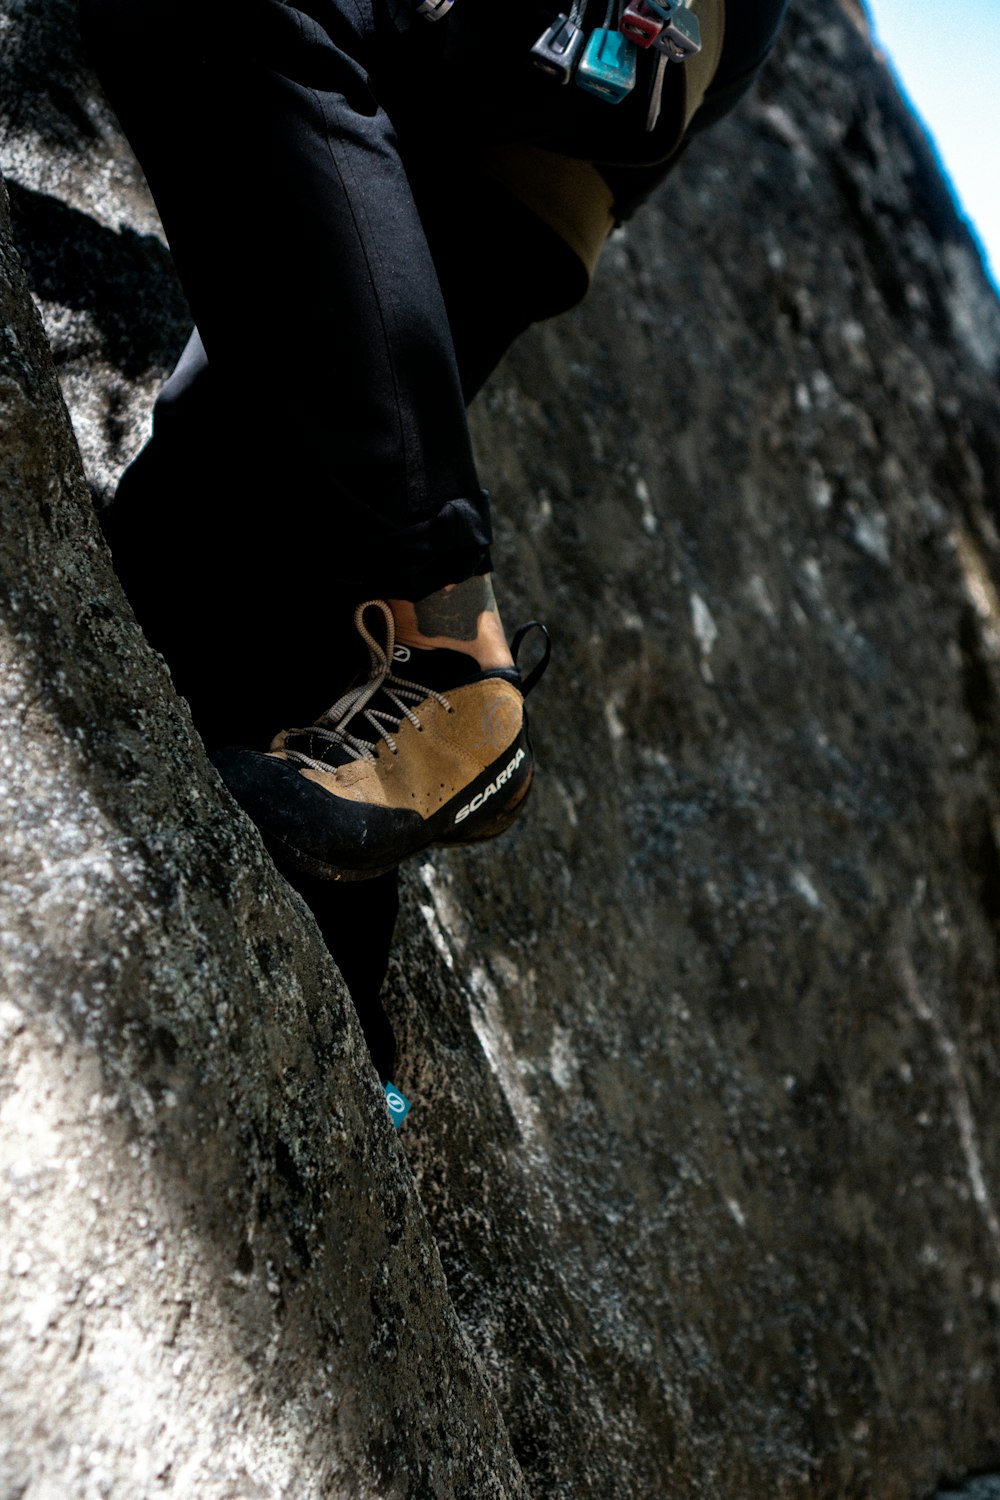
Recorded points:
(603,59)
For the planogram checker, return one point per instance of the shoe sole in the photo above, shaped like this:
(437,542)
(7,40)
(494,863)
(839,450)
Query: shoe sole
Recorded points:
(263,783)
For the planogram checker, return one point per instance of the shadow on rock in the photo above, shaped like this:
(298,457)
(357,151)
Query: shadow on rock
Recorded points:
(125,281)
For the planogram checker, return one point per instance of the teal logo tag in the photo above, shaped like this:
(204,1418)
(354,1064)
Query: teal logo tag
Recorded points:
(399,1105)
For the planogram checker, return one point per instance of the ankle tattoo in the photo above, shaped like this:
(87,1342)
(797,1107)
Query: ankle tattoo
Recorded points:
(455,611)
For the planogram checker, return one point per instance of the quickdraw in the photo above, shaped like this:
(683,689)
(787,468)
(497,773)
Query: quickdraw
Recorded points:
(604,62)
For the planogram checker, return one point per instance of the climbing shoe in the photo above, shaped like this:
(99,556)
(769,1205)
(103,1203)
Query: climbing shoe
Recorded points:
(429,749)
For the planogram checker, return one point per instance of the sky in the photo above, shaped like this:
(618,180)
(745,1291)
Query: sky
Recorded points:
(947,59)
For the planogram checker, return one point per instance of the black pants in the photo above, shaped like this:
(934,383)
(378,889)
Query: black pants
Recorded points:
(253,646)
(351,300)
(354,276)
(354,279)
(314,169)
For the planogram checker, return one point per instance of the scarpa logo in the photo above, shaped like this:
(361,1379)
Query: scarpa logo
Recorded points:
(492,789)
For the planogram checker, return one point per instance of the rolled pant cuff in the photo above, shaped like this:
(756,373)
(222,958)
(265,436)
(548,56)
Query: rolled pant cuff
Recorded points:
(447,547)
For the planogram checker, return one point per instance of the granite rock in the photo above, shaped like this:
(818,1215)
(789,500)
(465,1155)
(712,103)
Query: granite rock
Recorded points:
(698,1197)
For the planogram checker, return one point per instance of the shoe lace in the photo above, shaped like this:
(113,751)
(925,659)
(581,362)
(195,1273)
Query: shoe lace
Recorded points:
(383,714)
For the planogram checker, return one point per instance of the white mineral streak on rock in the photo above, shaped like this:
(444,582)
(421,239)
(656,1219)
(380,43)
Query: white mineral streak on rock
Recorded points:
(566,798)
(650,524)
(562,1059)
(445,922)
(612,715)
(981,590)
(757,590)
(446,927)
(705,629)
(800,882)
(487,1020)
(437,935)
(871,532)
(923,1006)
(783,126)
(706,632)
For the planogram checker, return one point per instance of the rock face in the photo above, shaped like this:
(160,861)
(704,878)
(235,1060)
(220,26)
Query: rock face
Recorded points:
(699,1197)
(216,1265)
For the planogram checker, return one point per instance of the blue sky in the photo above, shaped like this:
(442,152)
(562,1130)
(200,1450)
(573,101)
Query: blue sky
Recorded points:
(947,58)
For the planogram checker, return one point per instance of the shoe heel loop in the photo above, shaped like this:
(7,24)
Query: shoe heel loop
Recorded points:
(533,676)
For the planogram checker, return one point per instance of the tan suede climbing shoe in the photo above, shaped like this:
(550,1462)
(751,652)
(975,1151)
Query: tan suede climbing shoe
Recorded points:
(429,749)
